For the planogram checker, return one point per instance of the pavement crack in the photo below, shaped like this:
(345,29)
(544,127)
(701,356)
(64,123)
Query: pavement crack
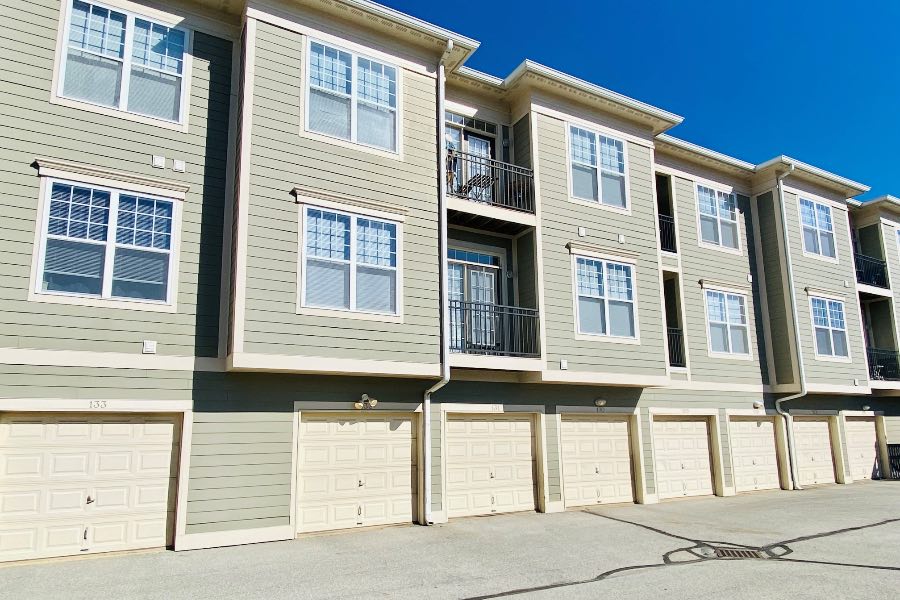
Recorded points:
(824,534)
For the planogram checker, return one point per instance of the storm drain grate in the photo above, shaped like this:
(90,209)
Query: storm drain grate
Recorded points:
(737,553)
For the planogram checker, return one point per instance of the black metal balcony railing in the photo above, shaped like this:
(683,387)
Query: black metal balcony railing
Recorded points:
(667,233)
(490,181)
(493,330)
(871,271)
(676,347)
(884,365)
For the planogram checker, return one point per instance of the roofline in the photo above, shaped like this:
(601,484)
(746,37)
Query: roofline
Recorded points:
(802,166)
(530,66)
(479,76)
(888,199)
(414,23)
(724,158)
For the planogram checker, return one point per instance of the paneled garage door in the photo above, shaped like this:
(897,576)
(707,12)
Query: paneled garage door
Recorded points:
(815,464)
(596,454)
(683,466)
(355,470)
(753,454)
(862,446)
(490,464)
(80,484)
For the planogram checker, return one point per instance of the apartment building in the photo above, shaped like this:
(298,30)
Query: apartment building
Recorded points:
(282,266)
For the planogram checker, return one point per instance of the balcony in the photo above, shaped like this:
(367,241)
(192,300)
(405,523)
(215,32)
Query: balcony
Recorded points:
(490,182)
(871,271)
(884,365)
(676,347)
(493,330)
(667,233)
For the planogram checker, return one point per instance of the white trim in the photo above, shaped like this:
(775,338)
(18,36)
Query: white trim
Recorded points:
(875,291)
(501,363)
(812,322)
(705,290)
(352,142)
(280,363)
(131,11)
(816,255)
(491,212)
(99,406)
(594,378)
(587,250)
(353,263)
(835,204)
(606,337)
(93,175)
(825,388)
(112,360)
(472,408)
(105,299)
(360,206)
(217,539)
(184,470)
(737,220)
(570,181)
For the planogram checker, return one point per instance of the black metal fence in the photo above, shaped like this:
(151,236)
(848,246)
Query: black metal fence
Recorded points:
(676,347)
(490,181)
(884,365)
(871,271)
(667,233)
(894,459)
(493,329)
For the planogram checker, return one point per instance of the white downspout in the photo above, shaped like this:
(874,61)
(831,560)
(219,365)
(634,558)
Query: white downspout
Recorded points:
(801,371)
(442,286)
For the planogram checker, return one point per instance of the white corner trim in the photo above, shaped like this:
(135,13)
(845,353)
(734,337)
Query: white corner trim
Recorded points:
(197,541)
(280,363)
(112,360)
(309,196)
(132,182)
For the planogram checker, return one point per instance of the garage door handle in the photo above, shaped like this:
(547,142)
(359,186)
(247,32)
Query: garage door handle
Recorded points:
(90,500)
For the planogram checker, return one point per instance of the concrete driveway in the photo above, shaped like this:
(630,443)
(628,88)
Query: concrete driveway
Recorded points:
(829,542)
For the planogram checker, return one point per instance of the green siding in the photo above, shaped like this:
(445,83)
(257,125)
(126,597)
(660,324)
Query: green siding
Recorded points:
(560,220)
(767,209)
(527,270)
(280,159)
(522,141)
(33,127)
(830,277)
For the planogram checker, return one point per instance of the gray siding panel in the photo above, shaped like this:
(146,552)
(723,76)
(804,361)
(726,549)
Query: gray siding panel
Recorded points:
(779,311)
(522,142)
(560,219)
(280,159)
(34,127)
(527,270)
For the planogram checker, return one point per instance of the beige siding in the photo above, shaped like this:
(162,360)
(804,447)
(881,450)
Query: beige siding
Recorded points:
(282,158)
(892,256)
(33,127)
(560,219)
(824,276)
(721,269)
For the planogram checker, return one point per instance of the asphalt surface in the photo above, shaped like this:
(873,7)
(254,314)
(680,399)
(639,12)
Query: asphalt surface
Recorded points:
(827,542)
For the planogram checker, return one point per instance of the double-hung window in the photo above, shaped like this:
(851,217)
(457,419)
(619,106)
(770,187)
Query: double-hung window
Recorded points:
(605,298)
(106,243)
(350,262)
(818,229)
(718,217)
(727,319)
(597,168)
(351,97)
(830,328)
(122,61)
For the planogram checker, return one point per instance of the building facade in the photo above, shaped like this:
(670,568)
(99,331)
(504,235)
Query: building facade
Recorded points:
(283,266)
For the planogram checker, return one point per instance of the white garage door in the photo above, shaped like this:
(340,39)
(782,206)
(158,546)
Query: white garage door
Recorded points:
(862,446)
(815,464)
(80,484)
(753,454)
(490,464)
(682,457)
(596,457)
(355,470)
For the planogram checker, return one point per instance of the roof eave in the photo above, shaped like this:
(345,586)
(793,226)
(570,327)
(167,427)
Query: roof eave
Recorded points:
(849,187)
(730,161)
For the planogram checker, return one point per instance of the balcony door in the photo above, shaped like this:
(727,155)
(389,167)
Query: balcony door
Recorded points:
(470,172)
(474,291)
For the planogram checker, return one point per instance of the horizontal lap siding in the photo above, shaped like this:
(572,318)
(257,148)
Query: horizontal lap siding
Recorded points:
(560,220)
(281,158)
(724,269)
(80,384)
(825,276)
(892,256)
(34,127)
(777,304)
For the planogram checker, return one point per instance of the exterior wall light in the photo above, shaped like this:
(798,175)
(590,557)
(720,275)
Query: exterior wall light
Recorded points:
(599,402)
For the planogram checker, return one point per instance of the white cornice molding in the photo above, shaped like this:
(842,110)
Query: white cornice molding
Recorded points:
(51,167)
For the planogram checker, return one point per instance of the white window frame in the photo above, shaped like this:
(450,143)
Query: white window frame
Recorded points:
(816,204)
(106,299)
(604,259)
(352,142)
(728,325)
(737,214)
(154,16)
(354,214)
(812,321)
(569,162)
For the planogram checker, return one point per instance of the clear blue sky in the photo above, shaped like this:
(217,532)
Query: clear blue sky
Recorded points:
(818,81)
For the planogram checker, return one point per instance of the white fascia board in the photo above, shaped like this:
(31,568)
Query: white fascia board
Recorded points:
(807,168)
(414,23)
(724,158)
